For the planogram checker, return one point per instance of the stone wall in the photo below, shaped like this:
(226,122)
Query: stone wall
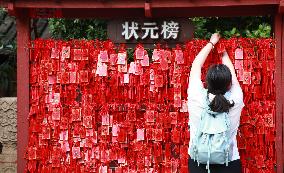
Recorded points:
(8,134)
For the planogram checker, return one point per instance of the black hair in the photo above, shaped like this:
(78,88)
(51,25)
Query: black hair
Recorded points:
(218,80)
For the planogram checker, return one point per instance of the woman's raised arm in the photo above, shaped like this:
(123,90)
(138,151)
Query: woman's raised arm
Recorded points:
(202,56)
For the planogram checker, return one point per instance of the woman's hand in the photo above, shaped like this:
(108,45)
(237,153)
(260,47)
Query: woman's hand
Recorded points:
(215,38)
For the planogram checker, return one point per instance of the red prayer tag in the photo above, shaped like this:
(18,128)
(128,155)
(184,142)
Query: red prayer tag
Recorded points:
(54,53)
(76,153)
(105,119)
(115,130)
(113,59)
(140,134)
(156,55)
(149,116)
(145,61)
(76,114)
(126,78)
(65,54)
(159,81)
(239,54)
(179,56)
(87,122)
(132,68)
(77,54)
(103,56)
(84,76)
(32,153)
(247,78)
(239,64)
(72,77)
(56,114)
(121,58)
(140,53)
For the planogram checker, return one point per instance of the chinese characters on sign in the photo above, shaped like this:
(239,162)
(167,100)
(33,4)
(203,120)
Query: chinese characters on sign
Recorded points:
(150,31)
(168,30)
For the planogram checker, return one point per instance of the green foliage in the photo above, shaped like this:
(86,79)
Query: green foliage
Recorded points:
(7,61)
(251,27)
(8,73)
(78,29)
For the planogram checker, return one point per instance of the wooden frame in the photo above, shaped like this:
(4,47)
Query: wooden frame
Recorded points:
(141,8)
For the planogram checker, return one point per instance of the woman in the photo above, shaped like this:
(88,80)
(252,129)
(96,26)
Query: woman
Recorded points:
(224,94)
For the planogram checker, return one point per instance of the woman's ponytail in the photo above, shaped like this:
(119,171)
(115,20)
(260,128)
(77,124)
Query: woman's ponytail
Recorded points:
(220,104)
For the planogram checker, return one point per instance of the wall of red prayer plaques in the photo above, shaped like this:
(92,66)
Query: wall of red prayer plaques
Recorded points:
(93,111)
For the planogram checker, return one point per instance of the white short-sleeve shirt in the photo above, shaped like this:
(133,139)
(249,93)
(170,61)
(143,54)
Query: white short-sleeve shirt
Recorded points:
(197,101)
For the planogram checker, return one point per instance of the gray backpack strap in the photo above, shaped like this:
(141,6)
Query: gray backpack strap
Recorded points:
(227,137)
(198,133)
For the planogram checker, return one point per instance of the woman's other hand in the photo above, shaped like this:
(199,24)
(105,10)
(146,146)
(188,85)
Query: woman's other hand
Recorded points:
(215,38)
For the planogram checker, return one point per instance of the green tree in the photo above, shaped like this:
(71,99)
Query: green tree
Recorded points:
(78,29)
(251,27)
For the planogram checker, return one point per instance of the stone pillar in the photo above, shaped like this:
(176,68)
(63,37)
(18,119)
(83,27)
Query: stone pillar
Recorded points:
(8,134)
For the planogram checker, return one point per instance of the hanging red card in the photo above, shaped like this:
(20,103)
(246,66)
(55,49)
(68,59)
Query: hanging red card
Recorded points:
(72,77)
(76,153)
(145,61)
(84,76)
(76,114)
(63,136)
(54,53)
(184,107)
(132,68)
(240,74)
(115,129)
(113,59)
(46,132)
(126,78)
(65,77)
(247,78)
(140,134)
(177,100)
(121,58)
(56,114)
(179,57)
(139,53)
(102,70)
(65,54)
(239,64)
(158,135)
(156,55)
(159,81)
(164,63)
(239,54)
(174,117)
(149,116)
(85,54)
(77,54)
(87,122)
(56,98)
(104,130)
(105,119)
(103,56)
(269,120)
(32,153)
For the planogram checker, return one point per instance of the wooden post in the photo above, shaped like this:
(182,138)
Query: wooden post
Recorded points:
(278,30)
(23,38)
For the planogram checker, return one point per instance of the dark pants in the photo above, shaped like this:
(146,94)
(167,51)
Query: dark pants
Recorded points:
(233,167)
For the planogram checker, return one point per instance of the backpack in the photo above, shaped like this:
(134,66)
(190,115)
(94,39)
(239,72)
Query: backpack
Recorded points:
(211,144)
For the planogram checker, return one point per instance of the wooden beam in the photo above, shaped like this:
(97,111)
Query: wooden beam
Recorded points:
(23,38)
(138,3)
(169,12)
(278,30)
